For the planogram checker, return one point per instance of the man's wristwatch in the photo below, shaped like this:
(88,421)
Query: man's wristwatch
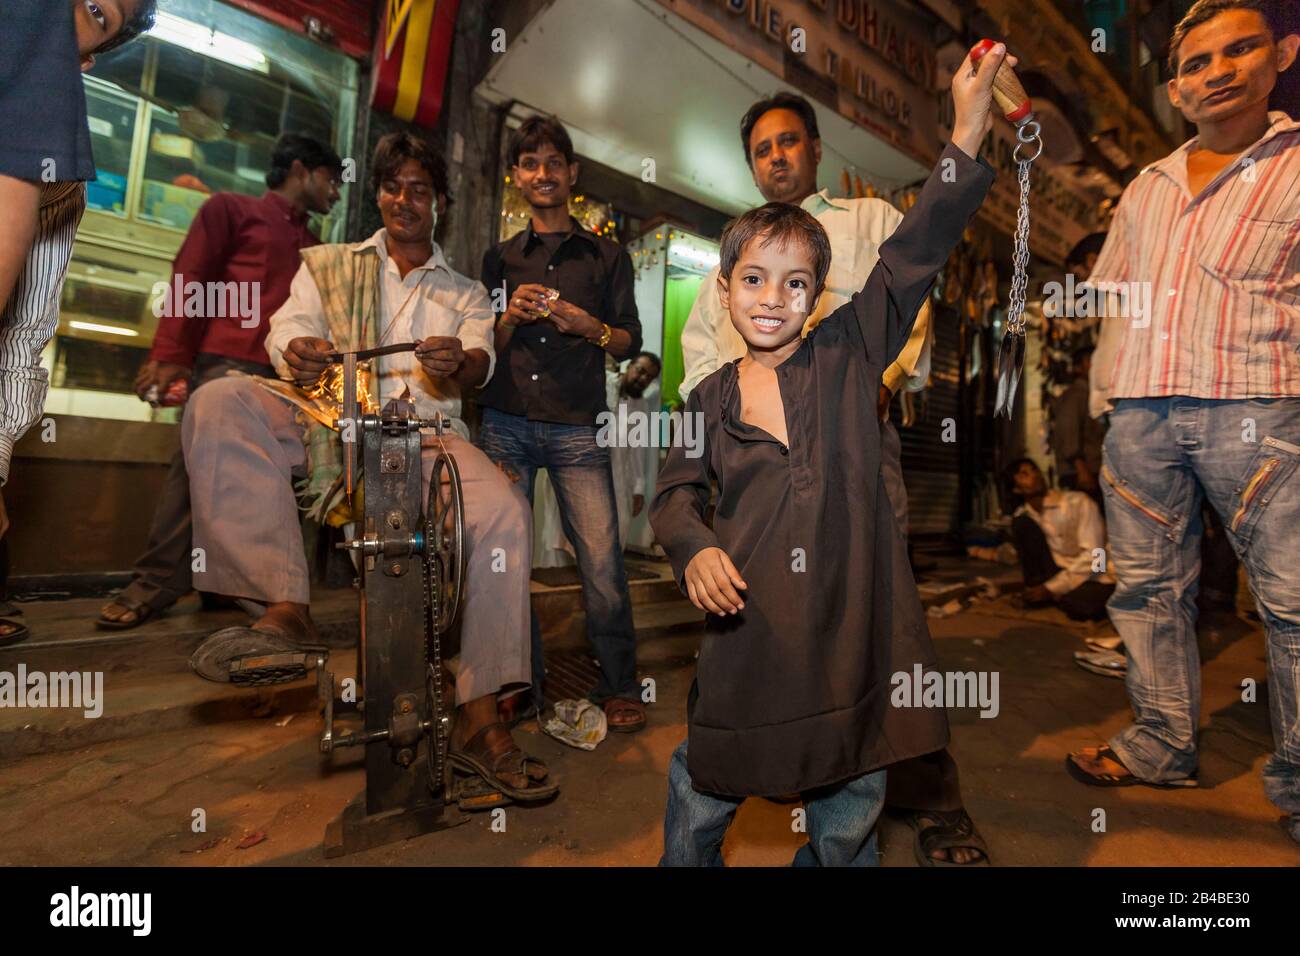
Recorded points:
(606,334)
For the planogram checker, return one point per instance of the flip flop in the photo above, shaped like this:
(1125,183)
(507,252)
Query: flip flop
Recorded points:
(954,829)
(620,705)
(1114,780)
(142,613)
(487,760)
(20,632)
(1105,663)
(253,656)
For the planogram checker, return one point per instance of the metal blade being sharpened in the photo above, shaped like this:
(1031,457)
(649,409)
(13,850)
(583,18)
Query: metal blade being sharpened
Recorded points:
(374,353)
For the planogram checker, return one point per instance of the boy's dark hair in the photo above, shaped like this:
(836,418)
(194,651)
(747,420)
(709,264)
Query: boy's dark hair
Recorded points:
(1205,10)
(1009,479)
(1080,354)
(780,101)
(781,223)
(141,22)
(652,357)
(313,154)
(534,133)
(392,152)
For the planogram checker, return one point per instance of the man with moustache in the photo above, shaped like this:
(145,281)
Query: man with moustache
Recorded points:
(1204,396)
(783,149)
(540,409)
(243,446)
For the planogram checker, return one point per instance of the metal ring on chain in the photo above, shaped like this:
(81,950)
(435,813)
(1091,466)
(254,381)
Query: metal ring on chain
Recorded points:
(1025,135)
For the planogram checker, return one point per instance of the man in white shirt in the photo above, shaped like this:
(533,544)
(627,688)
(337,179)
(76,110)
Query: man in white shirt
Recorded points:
(243,445)
(783,149)
(1061,539)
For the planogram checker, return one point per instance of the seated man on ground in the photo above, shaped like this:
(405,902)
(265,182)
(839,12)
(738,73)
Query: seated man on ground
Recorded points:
(244,445)
(1061,539)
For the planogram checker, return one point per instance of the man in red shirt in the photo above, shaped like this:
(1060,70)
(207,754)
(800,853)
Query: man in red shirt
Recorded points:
(232,273)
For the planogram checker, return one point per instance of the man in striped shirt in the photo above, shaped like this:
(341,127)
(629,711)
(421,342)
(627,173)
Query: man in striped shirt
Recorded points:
(45,158)
(1204,394)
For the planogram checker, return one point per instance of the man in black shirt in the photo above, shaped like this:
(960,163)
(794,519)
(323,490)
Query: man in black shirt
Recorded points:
(570,301)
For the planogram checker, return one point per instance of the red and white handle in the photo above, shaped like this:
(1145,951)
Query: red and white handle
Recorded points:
(1007,91)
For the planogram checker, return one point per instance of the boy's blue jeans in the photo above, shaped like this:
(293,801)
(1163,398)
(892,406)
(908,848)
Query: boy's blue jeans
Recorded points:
(841,821)
(1160,456)
(579,470)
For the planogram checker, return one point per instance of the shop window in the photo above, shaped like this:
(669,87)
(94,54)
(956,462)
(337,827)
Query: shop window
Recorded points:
(112,118)
(191,109)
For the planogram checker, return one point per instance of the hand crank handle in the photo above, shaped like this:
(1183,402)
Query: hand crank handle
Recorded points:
(1008,93)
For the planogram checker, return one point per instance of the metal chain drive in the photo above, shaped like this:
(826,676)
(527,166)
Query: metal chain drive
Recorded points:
(438,741)
(435,571)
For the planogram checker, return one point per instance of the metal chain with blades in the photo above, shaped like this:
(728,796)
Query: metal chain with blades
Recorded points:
(1011,354)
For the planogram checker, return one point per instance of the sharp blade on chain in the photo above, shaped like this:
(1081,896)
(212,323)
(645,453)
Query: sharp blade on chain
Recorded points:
(1001,405)
(1017,366)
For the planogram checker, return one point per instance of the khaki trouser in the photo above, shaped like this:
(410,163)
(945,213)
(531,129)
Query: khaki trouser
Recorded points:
(243,448)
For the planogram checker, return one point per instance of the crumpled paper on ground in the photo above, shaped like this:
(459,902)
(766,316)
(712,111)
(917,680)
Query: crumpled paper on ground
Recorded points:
(578,723)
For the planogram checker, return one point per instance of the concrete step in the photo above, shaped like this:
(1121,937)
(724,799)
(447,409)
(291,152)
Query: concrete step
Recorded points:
(148,688)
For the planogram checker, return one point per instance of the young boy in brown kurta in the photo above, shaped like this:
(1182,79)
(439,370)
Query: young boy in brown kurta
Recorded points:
(811,604)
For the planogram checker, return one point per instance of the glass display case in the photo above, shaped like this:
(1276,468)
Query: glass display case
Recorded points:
(669,264)
(191,109)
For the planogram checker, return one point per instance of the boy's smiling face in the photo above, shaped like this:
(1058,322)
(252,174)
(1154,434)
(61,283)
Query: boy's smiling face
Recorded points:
(770,293)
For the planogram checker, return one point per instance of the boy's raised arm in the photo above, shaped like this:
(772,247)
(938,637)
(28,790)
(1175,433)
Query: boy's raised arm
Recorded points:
(913,255)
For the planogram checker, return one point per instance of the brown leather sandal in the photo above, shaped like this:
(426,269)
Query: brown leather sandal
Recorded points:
(624,716)
(142,613)
(492,755)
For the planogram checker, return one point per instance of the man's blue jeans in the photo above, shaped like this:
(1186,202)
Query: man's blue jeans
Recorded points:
(1161,455)
(584,488)
(841,821)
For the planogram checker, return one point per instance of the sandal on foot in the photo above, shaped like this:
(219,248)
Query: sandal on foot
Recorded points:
(11,632)
(624,716)
(253,656)
(492,755)
(1127,779)
(142,613)
(946,830)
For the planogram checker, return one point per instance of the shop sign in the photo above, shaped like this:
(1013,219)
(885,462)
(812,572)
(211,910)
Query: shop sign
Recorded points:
(871,59)
(411,56)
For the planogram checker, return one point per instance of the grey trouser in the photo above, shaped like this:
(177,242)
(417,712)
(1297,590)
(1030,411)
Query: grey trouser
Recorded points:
(161,576)
(244,447)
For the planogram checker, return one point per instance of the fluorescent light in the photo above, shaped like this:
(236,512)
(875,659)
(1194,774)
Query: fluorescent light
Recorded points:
(200,39)
(703,258)
(96,327)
